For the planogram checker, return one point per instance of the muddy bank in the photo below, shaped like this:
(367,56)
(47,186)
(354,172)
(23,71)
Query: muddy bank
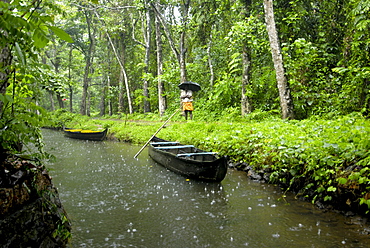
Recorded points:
(31,214)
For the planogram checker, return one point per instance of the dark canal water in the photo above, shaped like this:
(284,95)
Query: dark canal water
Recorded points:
(114,200)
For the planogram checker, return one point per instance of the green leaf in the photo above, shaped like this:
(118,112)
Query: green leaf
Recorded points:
(19,54)
(40,38)
(342,180)
(6,98)
(327,198)
(362,180)
(331,189)
(61,34)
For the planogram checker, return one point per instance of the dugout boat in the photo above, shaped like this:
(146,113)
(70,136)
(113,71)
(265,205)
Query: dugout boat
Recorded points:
(85,134)
(188,160)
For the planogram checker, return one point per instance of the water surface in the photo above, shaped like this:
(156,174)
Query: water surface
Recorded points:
(114,200)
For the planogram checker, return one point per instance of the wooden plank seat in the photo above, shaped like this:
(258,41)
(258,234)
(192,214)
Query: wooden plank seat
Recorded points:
(195,154)
(164,143)
(174,147)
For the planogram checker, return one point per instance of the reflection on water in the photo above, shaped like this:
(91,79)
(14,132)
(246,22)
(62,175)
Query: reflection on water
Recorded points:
(117,201)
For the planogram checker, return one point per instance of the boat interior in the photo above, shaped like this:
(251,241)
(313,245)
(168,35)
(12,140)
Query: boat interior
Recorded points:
(184,151)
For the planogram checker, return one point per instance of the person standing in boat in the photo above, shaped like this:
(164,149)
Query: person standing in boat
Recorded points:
(186,97)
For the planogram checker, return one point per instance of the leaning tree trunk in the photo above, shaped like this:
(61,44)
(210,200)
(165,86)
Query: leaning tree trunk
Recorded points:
(286,101)
(121,64)
(121,61)
(161,96)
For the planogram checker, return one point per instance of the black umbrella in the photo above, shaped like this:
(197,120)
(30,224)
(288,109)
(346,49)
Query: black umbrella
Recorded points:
(188,85)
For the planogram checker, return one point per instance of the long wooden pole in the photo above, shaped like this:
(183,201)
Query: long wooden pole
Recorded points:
(159,129)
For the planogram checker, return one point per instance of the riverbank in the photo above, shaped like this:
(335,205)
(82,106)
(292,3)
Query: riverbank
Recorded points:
(322,161)
(31,214)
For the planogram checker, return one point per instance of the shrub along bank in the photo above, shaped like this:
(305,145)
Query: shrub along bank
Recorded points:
(324,161)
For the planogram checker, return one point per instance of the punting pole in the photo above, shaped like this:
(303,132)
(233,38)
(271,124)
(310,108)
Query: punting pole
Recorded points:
(159,129)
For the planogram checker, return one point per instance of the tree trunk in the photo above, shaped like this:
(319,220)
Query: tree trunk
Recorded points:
(182,59)
(210,62)
(60,100)
(246,105)
(180,55)
(51,98)
(70,80)
(88,60)
(120,93)
(183,50)
(70,98)
(121,61)
(161,96)
(147,36)
(110,109)
(85,86)
(102,99)
(56,64)
(121,64)
(286,101)
(123,71)
(88,106)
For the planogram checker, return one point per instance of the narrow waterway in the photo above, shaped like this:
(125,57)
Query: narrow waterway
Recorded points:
(114,200)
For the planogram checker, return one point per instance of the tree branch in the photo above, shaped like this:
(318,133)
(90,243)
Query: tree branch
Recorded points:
(166,30)
(133,35)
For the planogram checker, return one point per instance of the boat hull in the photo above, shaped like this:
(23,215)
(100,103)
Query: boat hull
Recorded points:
(208,167)
(97,136)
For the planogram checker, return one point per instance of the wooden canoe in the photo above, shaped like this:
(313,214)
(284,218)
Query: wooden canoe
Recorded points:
(188,160)
(85,134)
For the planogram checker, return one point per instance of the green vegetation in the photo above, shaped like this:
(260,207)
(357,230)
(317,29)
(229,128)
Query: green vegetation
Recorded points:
(321,160)
(121,60)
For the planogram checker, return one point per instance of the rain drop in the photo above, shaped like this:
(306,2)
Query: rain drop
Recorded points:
(276,235)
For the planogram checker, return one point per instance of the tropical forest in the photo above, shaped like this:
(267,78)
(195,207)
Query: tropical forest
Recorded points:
(285,85)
